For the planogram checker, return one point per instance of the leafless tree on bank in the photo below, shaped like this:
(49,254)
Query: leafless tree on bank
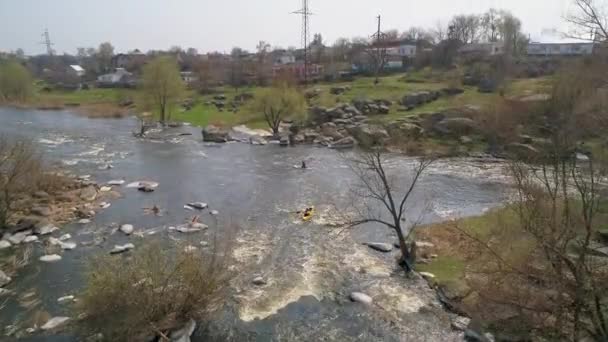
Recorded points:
(544,264)
(590,21)
(383,197)
(378,58)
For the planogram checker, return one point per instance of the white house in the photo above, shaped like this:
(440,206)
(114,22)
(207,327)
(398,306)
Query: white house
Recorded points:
(560,49)
(285,58)
(552,43)
(76,70)
(402,51)
(483,49)
(188,77)
(118,77)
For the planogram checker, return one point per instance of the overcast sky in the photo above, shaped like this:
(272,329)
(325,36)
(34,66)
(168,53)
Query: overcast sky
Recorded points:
(220,25)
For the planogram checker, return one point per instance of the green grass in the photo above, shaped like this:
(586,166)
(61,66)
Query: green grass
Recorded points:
(203,114)
(446,269)
(91,96)
(392,88)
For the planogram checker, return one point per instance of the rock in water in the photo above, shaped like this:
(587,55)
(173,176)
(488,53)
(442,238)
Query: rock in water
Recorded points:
(4,279)
(84,221)
(127,229)
(192,228)
(50,258)
(360,297)
(65,237)
(30,238)
(428,276)
(88,194)
(145,188)
(47,229)
(461,323)
(121,249)
(105,188)
(65,299)
(17,238)
(380,247)
(67,245)
(183,334)
(54,323)
(215,134)
(198,205)
(259,281)
(4,244)
(190,249)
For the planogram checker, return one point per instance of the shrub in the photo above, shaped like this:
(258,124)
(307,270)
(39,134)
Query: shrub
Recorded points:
(20,173)
(15,82)
(152,292)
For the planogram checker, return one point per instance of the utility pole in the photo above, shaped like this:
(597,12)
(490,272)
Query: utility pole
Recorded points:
(305,12)
(380,50)
(47,42)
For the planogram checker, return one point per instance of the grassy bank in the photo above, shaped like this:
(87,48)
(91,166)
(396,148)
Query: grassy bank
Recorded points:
(484,266)
(101,102)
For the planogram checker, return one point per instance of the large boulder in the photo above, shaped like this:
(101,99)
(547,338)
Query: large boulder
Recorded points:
(360,297)
(379,246)
(418,98)
(344,143)
(370,134)
(215,134)
(55,323)
(456,126)
(405,129)
(88,194)
(4,279)
(338,90)
(383,109)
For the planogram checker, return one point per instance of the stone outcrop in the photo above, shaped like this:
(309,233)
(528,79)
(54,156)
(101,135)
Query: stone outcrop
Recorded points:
(215,134)
(415,99)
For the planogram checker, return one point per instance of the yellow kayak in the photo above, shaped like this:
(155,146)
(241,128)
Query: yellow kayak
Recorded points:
(308,213)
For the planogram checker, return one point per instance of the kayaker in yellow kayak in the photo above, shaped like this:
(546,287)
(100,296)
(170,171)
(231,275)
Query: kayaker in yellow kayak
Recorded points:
(307,215)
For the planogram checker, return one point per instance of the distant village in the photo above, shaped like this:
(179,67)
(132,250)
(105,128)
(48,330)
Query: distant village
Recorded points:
(343,60)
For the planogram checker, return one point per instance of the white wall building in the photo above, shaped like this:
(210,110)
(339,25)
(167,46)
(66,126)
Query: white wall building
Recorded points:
(551,43)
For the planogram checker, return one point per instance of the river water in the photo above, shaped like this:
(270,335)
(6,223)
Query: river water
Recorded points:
(310,268)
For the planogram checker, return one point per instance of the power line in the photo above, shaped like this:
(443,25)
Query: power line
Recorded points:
(47,42)
(305,13)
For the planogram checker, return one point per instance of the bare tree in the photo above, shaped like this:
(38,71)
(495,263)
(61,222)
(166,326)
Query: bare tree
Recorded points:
(383,197)
(417,33)
(465,28)
(439,33)
(558,282)
(378,56)
(391,35)
(341,49)
(590,21)
(490,24)
(510,32)
(263,63)
(19,170)
(104,54)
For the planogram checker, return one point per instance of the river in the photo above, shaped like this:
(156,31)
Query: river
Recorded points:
(310,268)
